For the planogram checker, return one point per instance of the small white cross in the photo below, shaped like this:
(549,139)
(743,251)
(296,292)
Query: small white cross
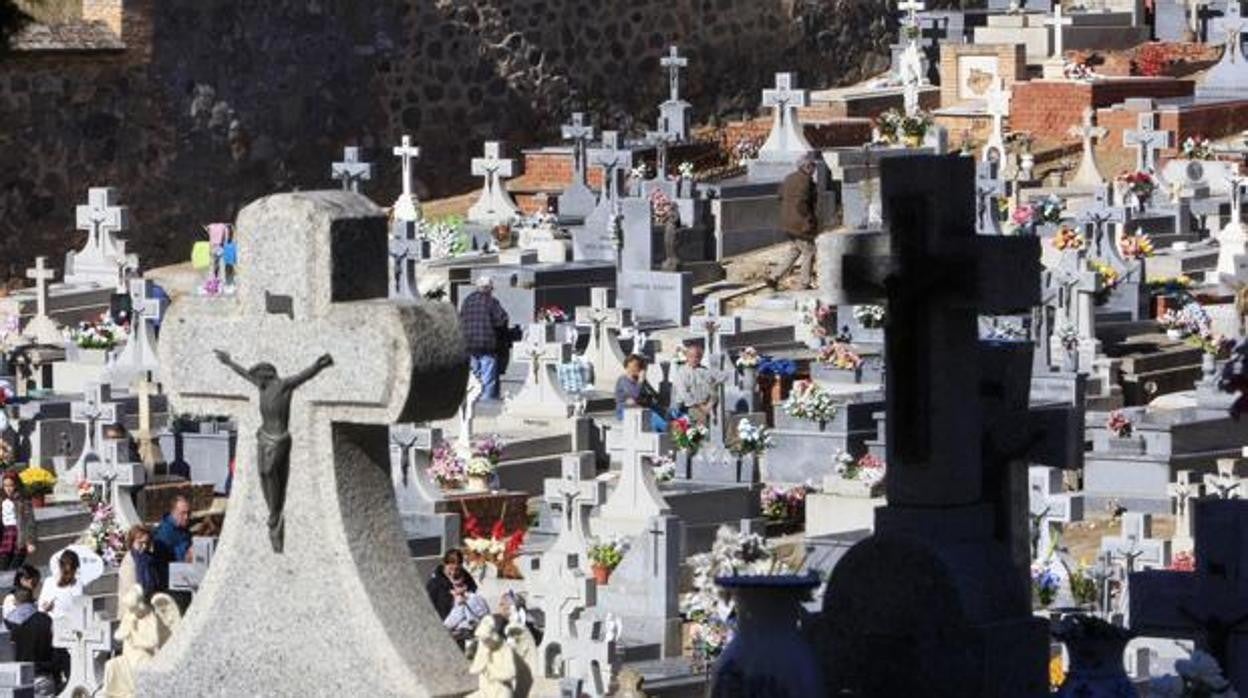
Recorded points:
(673,61)
(351,171)
(41,275)
(1057,22)
(407,152)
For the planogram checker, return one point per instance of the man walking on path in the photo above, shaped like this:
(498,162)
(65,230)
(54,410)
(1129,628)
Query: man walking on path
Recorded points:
(800,221)
(483,323)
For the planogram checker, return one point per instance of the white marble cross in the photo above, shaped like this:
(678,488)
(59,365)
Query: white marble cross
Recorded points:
(98,261)
(541,395)
(95,411)
(85,636)
(575,498)
(989,187)
(786,135)
(1233,238)
(495,206)
(911,8)
(139,355)
(577,199)
(1182,492)
(605,325)
(1148,142)
(614,161)
(468,408)
(636,496)
(42,328)
(1096,219)
(1048,505)
(674,62)
(406,208)
(118,477)
(1225,484)
(1089,173)
(998,106)
(661,141)
(714,327)
(352,170)
(1057,22)
(406,249)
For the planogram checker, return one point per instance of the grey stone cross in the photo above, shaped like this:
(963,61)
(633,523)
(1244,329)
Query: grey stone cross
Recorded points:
(1148,142)
(95,411)
(1096,218)
(577,199)
(103,258)
(636,497)
(352,170)
(784,98)
(84,635)
(674,62)
(1089,173)
(614,161)
(42,328)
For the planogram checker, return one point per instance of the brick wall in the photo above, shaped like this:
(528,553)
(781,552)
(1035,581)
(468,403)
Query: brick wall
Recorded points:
(1215,120)
(1011,66)
(1048,108)
(833,134)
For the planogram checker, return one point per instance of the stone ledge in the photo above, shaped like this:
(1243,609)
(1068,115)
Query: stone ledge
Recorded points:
(69,36)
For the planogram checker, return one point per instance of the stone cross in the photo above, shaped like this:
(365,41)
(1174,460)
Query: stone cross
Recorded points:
(605,325)
(714,327)
(352,170)
(575,497)
(1147,141)
(495,205)
(1233,237)
(577,199)
(911,8)
(661,140)
(674,62)
(989,187)
(42,328)
(614,161)
(406,249)
(119,478)
(95,411)
(636,496)
(145,437)
(541,394)
(85,636)
(998,106)
(1049,505)
(786,132)
(404,439)
(1089,173)
(98,261)
(139,355)
(1095,219)
(323,254)
(1136,545)
(1183,491)
(1077,287)
(468,408)
(406,207)
(1225,484)
(1057,22)
(1209,605)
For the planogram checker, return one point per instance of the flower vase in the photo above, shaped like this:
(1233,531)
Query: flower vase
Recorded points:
(768,655)
(602,574)
(1095,649)
(1208,367)
(1175,335)
(912,140)
(478,483)
(39,501)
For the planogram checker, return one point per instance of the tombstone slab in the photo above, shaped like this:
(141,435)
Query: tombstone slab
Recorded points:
(324,255)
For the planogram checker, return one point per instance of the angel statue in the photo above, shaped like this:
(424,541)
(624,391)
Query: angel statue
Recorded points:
(494,663)
(143,630)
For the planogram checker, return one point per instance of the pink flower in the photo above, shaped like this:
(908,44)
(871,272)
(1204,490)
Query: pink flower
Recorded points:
(1022,215)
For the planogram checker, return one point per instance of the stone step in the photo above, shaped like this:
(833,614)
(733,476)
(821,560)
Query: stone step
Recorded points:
(528,474)
(1142,388)
(60,519)
(1178,356)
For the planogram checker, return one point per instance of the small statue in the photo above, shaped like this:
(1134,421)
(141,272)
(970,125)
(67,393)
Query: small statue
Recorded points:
(143,630)
(273,436)
(630,684)
(494,663)
(521,641)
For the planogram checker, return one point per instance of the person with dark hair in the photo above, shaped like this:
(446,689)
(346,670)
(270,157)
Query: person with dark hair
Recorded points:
(632,390)
(453,592)
(799,220)
(140,565)
(17,523)
(60,592)
(27,577)
(31,633)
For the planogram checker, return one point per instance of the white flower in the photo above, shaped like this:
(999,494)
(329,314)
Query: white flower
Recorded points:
(685,170)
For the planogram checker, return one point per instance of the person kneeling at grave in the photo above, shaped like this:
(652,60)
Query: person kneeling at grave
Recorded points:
(632,390)
(31,632)
(453,592)
(693,386)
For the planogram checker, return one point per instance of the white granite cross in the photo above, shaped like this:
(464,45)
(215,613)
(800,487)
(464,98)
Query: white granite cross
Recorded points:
(95,411)
(1049,505)
(1182,492)
(998,106)
(1096,218)
(1233,237)
(314,287)
(352,170)
(674,62)
(786,132)
(100,217)
(575,498)
(1148,142)
(989,187)
(1224,484)
(85,636)
(406,207)
(118,477)
(1135,545)
(614,161)
(495,205)
(714,327)
(636,496)
(541,395)
(1057,21)
(911,8)
(1089,173)
(139,355)
(605,325)
(42,328)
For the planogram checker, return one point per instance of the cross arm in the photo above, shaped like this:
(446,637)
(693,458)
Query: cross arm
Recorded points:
(323,362)
(224,357)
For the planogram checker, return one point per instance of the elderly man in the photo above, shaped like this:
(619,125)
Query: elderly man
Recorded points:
(799,220)
(693,386)
(483,323)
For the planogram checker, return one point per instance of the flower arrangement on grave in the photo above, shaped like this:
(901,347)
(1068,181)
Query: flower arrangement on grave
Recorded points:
(445,236)
(685,170)
(1171,323)
(866,468)
(1068,239)
(431,288)
(1138,246)
(678,356)
(1182,561)
(1109,275)
(1078,70)
(662,209)
(499,549)
(101,334)
(784,505)
(1119,424)
(1082,582)
(37,481)
(447,467)
(811,402)
(1045,584)
(746,149)
(709,608)
(1045,211)
(664,468)
(751,438)
(1068,337)
(841,356)
(551,313)
(1199,676)
(1212,343)
(1197,148)
(605,556)
(748,358)
(687,435)
(1006,332)
(870,317)
(1141,184)
(897,128)
(104,535)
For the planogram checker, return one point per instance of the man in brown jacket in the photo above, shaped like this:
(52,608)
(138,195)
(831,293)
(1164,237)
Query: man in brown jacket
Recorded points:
(799,220)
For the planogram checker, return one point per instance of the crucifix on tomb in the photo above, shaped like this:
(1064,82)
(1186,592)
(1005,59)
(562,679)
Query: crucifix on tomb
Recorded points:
(1224,484)
(661,140)
(674,63)
(352,170)
(101,217)
(1057,59)
(958,426)
(606,324)
(495,205)
(41,328)
(1183,491)
(1049,505)
(541,395)
(145,437)
(139,355)
(1135,544)
(88,639)
(322,256)
(1148,141)
(118,477)
(786,132)
(989,188)
(405,249)
(95,411)
(1096,219)
(577,199)
(1209,605)
(998,107)
(406,207)
(614,161)
(1089,173)
(636,496)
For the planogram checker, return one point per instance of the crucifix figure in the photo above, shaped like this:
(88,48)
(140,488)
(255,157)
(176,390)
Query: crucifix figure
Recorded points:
(273,436)
(352,170)
(989,187)
(1089,173)
(495,205)
(786,135)
(577,199)
(674,62)
(661,140)
(1148,142)
(615,161)
(406,249)
(407,208)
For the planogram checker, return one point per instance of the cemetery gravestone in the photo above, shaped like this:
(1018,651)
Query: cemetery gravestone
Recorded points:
(674,114)
(1089,173)
(636,498)
(325,253)
(1148,142)
(42,329)
(95,411)
(88,639)
(351,171)
(615,161)
(406,208)
(495,205)
(786,144)
(577,200)
(102,257)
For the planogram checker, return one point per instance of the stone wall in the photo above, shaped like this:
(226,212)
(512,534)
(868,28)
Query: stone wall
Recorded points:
(214,102)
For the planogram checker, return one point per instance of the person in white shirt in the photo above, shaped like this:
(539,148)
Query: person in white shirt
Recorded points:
(60,592)
(693,386)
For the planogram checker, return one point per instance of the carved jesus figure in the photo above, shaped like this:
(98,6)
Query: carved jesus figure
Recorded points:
(273,436)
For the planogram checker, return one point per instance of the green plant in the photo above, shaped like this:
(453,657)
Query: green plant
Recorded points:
(607,554)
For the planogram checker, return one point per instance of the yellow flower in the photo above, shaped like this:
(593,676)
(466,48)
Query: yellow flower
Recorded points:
(1056,674)
(37,479)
